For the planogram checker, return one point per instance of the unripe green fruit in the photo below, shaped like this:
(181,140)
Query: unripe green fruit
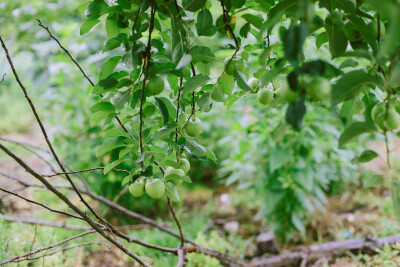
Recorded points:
(193,128)
(265,96)
(193,5)
(137,188)
(391,122)
(373,28)
(172,170)
(286,95)
(253,82)
(185,165)
(377,110)
(236,63)
(155,85)
(155,188)
(319,89)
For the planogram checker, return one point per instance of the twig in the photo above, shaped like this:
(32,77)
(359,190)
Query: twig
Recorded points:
(41,204)
(44,132)
(171,208)
(66,226)
(82,71)
(16,258)
(80,171)
(115,200)
(73,207)
(330,248)
(181,258)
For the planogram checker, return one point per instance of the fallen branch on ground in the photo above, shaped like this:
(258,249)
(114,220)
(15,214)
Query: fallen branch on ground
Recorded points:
(334,248)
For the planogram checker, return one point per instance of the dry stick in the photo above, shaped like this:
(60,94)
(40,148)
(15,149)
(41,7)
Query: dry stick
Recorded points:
(53,152)
(82,71)
(73,207)
(31,148)
(44,223)
(171,208)
(326,249)
(181,258)
(62,249)
(115,200)
(66,226)
(42,205)
(15,258)
(113,229)
(80,171)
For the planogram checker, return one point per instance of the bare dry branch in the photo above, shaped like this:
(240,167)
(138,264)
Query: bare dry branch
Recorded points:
(80,171)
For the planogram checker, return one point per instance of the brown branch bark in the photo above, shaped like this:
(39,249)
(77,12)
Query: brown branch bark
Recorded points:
(80,171)
(44,132)
(333,248)
(73,207)
(171,208)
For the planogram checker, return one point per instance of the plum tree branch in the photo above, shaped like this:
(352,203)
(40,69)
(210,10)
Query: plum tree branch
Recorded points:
(73,207)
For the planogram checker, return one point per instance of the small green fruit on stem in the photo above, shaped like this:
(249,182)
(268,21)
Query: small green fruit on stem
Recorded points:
(137,188)
(193,127)
(155,85)
(155,188)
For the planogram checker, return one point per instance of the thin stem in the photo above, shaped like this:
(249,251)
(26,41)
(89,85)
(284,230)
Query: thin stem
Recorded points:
(80,171)
(73,207)
(177,221)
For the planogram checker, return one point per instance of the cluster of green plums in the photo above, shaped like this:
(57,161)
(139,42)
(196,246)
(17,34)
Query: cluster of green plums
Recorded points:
(317,88)
(155,187)
(155,86)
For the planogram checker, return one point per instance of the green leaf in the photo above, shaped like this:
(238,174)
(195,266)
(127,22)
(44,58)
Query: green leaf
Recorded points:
(354,130)
(195,148)
(112,44)
(204,24)
(227,83)
(121,98)
(275,15)
(269,75)
(112,165)
(201,54)
(96,9)
(336,37)
(97,117)
(210,154)
(322,38)
(164,131)
(254,20)
(108,67)
(88,25)
(193,83)
(365,156)
(126,180)
(102,106)
(116,132)
(278,157)
(349,85)
(178,178)
(171,191)
(320,68)
(242,82)
(163,109)
(106,147)
(295,113)
(293,41)
(392,39)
